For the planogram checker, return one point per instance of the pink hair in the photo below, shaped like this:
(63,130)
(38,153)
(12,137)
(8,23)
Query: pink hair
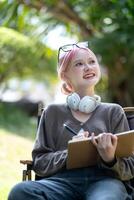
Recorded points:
(63,66)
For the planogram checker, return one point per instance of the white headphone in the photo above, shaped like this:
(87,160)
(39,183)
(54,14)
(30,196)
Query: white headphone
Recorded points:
(87,104)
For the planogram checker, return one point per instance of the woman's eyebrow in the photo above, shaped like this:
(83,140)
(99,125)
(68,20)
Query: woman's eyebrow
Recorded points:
(78,60)
(81,60)
(91,58)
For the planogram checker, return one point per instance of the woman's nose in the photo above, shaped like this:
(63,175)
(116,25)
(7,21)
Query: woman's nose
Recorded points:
(87,67)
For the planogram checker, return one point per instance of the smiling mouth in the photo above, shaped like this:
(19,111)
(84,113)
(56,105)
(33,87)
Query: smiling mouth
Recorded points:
(91,75)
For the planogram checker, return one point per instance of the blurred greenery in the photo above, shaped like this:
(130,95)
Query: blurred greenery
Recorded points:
(13,149)
(108,25)
(16,121)
(17,133)
(23,57)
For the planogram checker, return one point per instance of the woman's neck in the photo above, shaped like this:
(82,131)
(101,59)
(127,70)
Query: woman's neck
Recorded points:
(84,92)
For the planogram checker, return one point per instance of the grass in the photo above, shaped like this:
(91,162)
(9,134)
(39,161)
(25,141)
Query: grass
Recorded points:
(17,133)
(13,149)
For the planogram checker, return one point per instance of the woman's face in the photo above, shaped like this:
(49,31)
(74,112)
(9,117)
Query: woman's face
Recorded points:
(84,70)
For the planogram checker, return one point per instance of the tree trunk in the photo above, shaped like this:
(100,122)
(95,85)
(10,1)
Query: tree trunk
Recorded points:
(121,85)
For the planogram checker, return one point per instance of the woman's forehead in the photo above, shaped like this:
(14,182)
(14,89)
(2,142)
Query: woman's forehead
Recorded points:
(81,53)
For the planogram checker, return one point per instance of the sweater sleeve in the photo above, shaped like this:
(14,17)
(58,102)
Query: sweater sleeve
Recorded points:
(123,166)
(46,160)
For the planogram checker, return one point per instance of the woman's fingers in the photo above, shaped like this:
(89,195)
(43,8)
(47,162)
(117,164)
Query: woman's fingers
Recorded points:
(81,135)
(93,139)
(106,145)
(86,133)
(114,140)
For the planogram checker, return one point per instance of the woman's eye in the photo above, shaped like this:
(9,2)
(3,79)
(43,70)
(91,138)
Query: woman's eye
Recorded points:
(91,61)
(78,64)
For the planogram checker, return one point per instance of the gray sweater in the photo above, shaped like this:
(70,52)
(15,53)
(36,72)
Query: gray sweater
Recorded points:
(50,148)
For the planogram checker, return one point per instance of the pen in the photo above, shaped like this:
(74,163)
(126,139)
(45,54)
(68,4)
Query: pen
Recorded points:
(70,129)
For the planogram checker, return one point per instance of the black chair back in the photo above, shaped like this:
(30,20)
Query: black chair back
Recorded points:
(130,116)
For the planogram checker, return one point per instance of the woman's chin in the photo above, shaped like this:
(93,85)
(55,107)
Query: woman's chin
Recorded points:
(92,81)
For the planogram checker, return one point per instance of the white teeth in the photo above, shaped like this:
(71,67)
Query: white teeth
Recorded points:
(89,75)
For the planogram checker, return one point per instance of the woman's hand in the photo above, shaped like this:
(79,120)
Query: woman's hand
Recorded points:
(106,144)
(81,135)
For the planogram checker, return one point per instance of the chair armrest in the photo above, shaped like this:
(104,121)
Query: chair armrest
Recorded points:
(25,162)
(128,109)
(26,174)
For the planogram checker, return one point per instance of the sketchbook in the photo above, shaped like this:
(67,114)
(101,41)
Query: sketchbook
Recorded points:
(82,153)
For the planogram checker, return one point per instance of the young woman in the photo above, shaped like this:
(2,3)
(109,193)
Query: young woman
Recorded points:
(84,112)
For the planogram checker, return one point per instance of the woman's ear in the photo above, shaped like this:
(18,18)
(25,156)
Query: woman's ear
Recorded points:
(66,89)
(67,84)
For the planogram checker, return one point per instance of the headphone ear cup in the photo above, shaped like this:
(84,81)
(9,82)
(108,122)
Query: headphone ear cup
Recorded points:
(87,104)
(73,101)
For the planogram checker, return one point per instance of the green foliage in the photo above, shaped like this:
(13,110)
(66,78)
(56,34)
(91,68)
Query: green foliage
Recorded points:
(23,56)
(109,25)
(17,121)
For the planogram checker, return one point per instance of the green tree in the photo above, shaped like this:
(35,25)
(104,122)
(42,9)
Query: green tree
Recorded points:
(22,56)
(109,25)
